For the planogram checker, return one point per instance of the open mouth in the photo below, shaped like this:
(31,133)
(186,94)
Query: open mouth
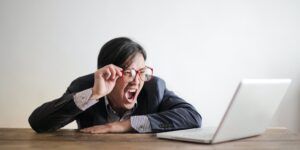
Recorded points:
(131,94)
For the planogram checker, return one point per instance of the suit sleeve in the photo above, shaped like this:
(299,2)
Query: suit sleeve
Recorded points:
(173,112)
(55,114)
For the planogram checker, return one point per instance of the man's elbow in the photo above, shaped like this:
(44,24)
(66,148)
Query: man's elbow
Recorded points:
(38,125)
(197,119)
(34,124)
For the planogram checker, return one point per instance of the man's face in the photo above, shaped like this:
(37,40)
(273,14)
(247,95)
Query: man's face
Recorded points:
(124,95)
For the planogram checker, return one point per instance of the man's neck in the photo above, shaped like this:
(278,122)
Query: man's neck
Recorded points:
(118,110)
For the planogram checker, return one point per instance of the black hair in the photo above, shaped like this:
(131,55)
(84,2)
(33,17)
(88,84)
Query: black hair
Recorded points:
(119,50)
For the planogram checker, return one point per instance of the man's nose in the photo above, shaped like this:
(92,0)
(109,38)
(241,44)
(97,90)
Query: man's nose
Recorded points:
(136,79)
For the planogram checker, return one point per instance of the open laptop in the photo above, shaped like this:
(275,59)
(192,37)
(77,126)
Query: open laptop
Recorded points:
(248,114)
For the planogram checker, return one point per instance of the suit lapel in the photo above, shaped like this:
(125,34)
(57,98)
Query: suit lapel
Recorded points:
(142,104)
(100,110)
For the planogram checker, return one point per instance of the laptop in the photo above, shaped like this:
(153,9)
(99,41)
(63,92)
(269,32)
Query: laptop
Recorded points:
(248,114)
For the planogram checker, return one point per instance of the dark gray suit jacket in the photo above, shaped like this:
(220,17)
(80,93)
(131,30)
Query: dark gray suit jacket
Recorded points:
(165,110)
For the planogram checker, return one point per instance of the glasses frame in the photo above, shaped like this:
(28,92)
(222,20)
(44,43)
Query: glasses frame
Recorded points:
(138,73)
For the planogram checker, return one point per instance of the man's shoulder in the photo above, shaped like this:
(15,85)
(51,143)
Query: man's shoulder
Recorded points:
(156,85)
(155,81)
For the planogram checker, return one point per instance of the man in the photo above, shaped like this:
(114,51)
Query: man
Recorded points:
(121,96)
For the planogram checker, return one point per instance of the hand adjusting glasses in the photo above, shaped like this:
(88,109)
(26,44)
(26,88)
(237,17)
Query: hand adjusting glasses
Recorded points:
(145,74)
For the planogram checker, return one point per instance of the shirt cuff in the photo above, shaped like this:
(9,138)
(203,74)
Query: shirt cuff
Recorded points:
(82,99)
(141,124)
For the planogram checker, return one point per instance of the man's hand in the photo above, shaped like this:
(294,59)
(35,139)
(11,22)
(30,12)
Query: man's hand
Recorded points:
(114,127)
(105,80)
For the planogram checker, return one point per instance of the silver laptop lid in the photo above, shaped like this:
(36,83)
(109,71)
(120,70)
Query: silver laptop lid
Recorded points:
(251,108)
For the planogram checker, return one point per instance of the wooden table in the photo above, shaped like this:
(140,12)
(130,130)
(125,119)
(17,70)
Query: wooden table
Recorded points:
(71,139)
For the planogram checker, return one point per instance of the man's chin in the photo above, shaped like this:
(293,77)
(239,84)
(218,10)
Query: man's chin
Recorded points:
(129,106)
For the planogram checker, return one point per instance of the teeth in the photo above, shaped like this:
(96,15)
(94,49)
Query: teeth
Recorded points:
(132,90)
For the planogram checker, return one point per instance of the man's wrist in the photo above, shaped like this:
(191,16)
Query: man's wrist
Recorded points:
(127,125)
(119,126)
(95,95)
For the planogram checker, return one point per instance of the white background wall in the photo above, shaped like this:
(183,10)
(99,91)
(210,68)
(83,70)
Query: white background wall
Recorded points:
(201,48)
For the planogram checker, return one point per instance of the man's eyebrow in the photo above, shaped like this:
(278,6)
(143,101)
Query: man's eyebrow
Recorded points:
(134,68)
(126,66)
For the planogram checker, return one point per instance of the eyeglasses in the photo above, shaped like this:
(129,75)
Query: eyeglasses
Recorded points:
(145,74)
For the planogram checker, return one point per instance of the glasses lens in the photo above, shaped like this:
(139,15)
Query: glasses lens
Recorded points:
(146,74)
(129,75)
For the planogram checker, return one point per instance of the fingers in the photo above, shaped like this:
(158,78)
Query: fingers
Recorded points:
(119,72)
(107,74)
(96,129)
(114,127)
(105,80)
(87,130)
(112,72)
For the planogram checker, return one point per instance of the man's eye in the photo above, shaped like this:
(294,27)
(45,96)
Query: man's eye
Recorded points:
(127,73)
(143,70)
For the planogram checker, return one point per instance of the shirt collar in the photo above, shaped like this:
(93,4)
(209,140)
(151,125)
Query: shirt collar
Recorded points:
(109,109)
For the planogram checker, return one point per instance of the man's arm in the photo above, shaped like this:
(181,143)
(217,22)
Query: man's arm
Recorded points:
(113,127)
(173,113)
(57,113)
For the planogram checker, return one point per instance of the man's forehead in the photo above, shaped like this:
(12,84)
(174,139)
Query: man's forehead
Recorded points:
(135,67)
(136,62)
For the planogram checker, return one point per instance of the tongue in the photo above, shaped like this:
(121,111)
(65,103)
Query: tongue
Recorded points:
(130,95)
